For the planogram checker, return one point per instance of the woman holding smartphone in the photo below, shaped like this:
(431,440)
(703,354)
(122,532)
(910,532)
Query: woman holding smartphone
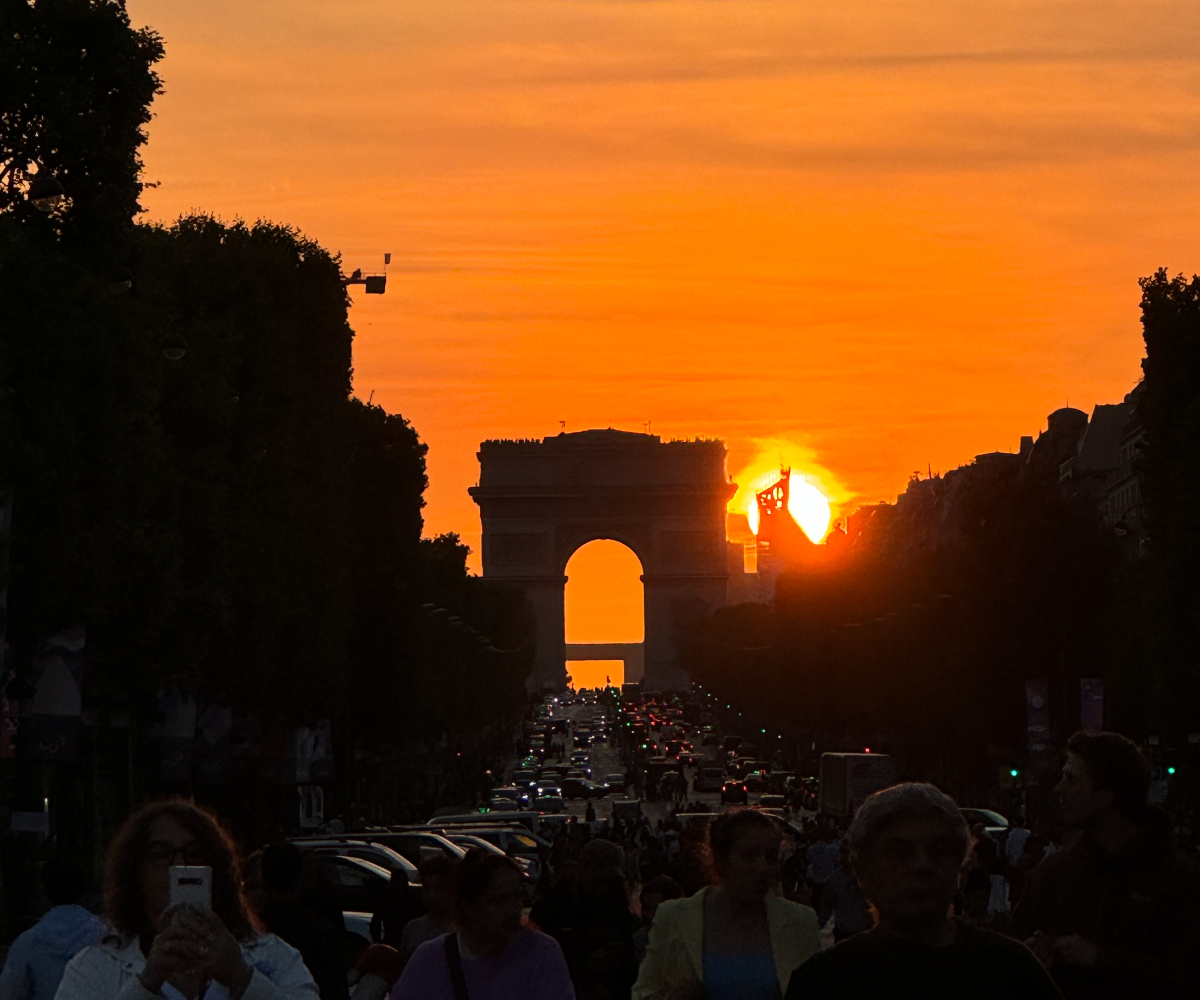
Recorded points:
(156,951)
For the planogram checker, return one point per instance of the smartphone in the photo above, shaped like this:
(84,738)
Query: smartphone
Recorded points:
(191,884)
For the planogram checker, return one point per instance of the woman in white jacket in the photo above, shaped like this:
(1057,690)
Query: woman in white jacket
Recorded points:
(159,952)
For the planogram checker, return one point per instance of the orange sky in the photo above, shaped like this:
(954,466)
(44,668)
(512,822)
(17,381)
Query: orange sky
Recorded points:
(893,234)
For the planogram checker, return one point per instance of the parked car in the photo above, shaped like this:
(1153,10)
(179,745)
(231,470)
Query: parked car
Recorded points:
(734,791)
(469,842)
(511,839)
(349,884)
(415,845)
(994,824)
(378,854)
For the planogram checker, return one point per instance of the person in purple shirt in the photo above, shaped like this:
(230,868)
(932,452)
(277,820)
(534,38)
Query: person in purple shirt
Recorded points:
(491,956)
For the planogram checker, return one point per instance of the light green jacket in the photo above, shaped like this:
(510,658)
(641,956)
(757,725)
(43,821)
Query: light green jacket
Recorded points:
(675,953)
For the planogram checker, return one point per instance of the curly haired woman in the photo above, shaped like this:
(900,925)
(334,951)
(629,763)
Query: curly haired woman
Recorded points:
(159,952)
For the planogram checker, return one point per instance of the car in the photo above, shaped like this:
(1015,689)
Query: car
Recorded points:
(511,839)
(469,842)
(627,809)
(755,781)
(734,791)
(524,777)
(549,804)
(378,854)
(518,795)
(416,845)
(547,788)
(709,779)
(994,824)
(772,802)
(581,788)
(690,759)
(615,783)
(350,884)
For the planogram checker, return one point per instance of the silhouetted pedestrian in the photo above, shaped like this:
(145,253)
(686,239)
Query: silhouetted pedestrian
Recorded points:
(36,959)
(907,847)
(1116,912)
(286,915)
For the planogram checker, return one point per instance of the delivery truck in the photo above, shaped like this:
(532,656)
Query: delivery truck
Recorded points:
(848,778)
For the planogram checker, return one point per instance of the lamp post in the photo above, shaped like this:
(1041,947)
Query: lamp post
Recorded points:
(45,192)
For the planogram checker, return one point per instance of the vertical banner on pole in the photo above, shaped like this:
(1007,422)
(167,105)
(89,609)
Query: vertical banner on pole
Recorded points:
(176,734)
(213,739)
(1037,711)
(56,718)
(1091,704)
(5,532)
(8,709)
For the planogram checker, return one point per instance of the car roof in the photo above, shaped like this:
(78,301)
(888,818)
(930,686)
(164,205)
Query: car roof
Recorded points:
(367,866)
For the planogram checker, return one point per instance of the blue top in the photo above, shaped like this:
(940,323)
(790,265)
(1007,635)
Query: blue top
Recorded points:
(37,958)
(740,975)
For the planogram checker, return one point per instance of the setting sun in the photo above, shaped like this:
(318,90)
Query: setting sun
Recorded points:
(808,506)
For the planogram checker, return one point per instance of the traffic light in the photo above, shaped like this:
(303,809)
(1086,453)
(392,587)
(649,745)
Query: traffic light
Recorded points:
(1013,772)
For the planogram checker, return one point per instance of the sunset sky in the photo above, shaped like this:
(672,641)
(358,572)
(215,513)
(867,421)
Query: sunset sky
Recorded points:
(875,235)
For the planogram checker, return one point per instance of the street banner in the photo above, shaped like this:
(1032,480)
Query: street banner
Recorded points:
(311,753)
(55,719)
(213,739)
(1091,704)
(273,752)
(1037,710)
(8,727)
(322,760)
(5,532)
(175,734)
(9,712)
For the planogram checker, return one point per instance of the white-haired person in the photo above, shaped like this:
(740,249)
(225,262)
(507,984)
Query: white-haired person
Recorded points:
(907,846)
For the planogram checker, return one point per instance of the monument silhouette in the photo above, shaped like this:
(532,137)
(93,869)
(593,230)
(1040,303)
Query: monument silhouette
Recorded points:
(539,501)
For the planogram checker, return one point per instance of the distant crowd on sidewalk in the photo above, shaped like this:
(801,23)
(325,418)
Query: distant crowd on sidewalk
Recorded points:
(906,901)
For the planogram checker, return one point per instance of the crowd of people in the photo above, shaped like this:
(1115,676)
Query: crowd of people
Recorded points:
(732,907)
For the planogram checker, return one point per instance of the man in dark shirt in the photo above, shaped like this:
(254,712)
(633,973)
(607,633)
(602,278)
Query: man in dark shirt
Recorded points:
(1115,913)
(907,846)
(285,914)
(589,916)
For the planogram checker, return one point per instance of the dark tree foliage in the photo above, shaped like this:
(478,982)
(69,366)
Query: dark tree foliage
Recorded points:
(192,480)
(76,82)
(1169,408)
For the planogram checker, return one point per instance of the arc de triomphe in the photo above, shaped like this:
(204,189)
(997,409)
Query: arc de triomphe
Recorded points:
(541,500)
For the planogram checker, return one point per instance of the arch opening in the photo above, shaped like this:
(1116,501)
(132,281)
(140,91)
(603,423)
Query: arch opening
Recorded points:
(604,614)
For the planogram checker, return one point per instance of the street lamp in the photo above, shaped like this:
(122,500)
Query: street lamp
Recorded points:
(45,192)
(174,347)
(120,280)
